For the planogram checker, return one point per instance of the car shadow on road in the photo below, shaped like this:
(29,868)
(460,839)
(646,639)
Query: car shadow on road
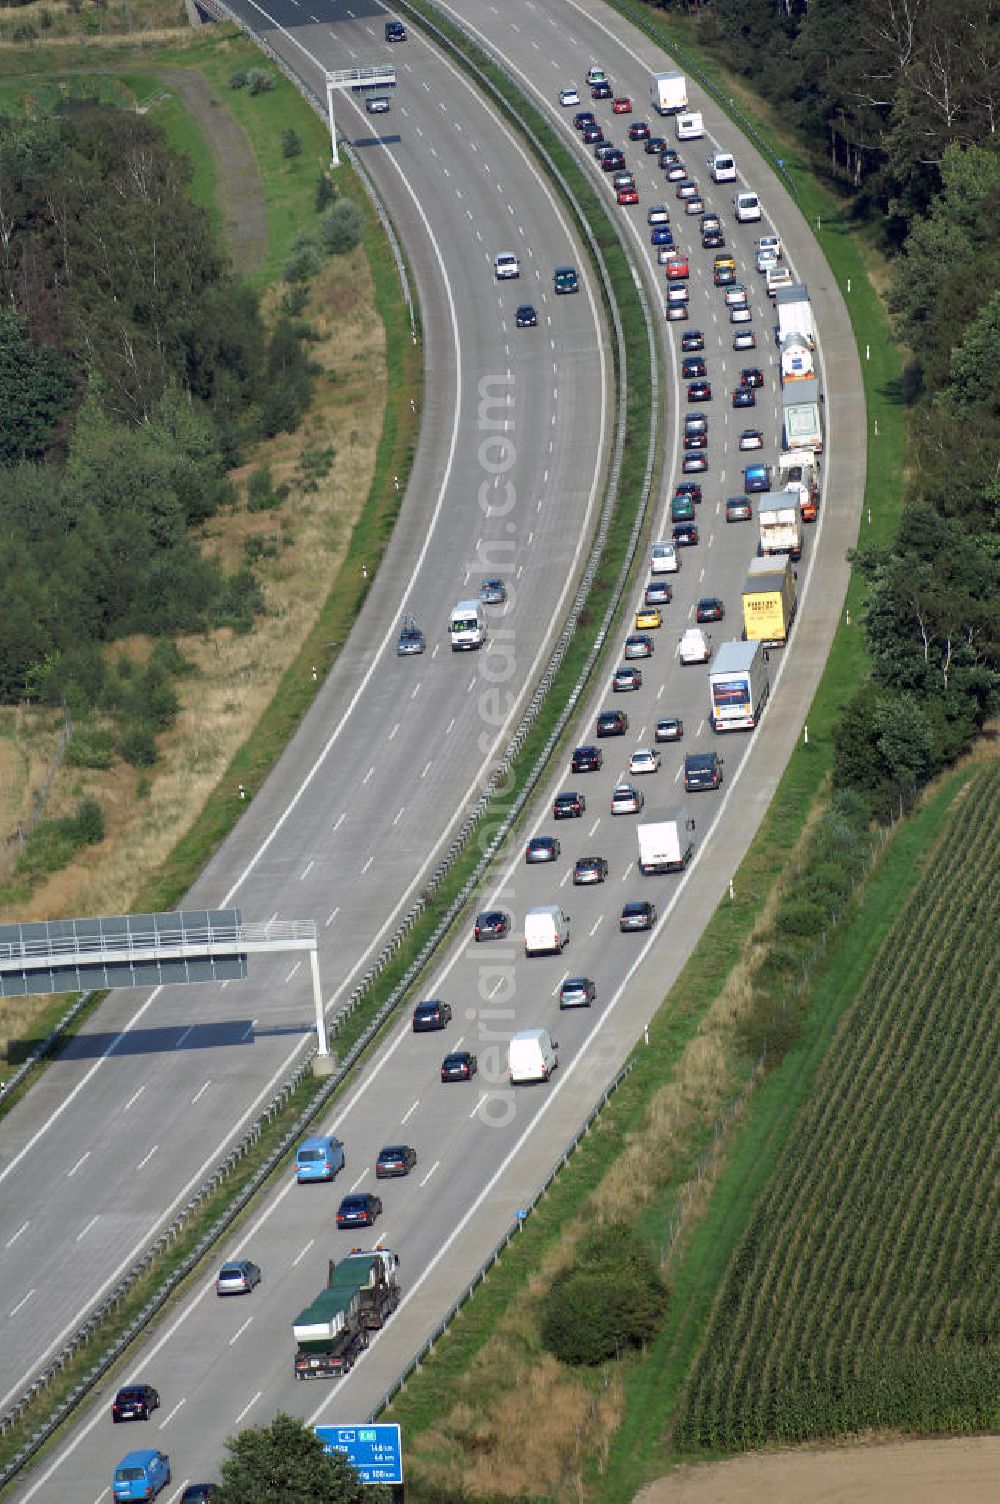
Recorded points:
(377,140)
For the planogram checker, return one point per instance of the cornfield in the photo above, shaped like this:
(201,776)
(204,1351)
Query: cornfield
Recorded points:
(865,1292)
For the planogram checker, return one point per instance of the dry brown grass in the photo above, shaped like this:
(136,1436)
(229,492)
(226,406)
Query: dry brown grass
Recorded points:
(235,675)
(146,19)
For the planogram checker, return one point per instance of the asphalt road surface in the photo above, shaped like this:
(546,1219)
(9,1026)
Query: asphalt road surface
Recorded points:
(482,1147)
(145,1099)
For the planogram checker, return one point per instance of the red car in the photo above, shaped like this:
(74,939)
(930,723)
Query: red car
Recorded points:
(622,105)
(677,268)
(628,196)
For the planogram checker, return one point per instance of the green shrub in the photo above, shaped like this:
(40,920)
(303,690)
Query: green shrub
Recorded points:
(294,301)
(609,1301)
(260,491)
(89,822)
(326,193)
(260,81)
(291,143)
(137,747)
(89,747)
(304,261)
(239,79)
(343,227)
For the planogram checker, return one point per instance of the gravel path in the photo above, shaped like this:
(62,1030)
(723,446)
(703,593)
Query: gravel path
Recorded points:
(239,187)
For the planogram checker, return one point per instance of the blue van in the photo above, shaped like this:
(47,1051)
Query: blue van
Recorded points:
(141,1475)
(318,1159)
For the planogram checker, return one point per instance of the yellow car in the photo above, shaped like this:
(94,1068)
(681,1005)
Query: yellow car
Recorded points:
(646,618)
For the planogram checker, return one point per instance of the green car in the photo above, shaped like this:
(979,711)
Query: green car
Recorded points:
(682,509)
(566,279)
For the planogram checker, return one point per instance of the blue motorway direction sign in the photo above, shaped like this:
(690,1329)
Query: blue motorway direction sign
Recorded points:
(376,1451)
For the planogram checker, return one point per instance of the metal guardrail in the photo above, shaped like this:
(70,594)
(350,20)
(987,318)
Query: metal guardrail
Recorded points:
(495,787)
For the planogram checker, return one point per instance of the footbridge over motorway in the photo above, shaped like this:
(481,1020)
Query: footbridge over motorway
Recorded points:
(148,950)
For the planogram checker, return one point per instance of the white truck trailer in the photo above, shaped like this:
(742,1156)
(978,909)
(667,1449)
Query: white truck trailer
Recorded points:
(778,520)
(801,416)
(794,313)
(665,843)
(668,93)
(738,686)
(798,359)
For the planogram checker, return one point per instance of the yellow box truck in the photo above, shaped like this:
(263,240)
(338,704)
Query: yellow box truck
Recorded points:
(769,601)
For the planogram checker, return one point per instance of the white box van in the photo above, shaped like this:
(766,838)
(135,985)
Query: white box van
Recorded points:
(689,126)
(663,559)
(722,167)
(532,1056)
(546,931)
(746,207)
(467,628)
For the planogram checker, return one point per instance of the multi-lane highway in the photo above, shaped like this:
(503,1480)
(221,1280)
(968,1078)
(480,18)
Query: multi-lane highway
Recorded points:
(481,1147)
(507,480)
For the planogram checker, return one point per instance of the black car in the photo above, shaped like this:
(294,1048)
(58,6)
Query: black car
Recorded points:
(702,770)
(638,916)
(592,134)
(669,728)
(658,593)
(590,869)
(583,118)
(693,439)
(685,534)
(459,1066)
(200,1493)
(638,131)
(654,145)
(359,1210)
(612,723)
(601,90)
(690,488)
(613,161)
(693,366)
(492,924)
(568,806)
(712,240)
(431,1015)
(699,391)
(526,317)
(692,339)
(668,157)
(395,31)
(709,608)
(744,396)
(587,760)
(577,992)
(135,1402)
(542,849)
(395,1160)
(751,376)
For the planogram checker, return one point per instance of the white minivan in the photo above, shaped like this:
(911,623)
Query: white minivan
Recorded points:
(722,167)
(746,207)
(546,931)
(532,1056)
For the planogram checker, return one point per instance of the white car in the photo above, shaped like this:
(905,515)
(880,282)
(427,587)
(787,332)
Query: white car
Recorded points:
(694,647)
(744,339)
(766,258)
(658,214)
(694,205)
(596,75)
(677,292)
(663,559)
(644,760)
(569,96)
(626,800)
(751,438)
(777,276)
(770,243)
(506,266)
(736,295)
(740,315)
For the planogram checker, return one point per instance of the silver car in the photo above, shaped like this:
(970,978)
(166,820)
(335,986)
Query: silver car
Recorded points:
(493,592)
(237,1278)
(625,800)
(410,639)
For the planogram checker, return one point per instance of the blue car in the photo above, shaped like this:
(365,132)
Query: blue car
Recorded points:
(756,479)
(141,1475)
(661,235)
(318,1158)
